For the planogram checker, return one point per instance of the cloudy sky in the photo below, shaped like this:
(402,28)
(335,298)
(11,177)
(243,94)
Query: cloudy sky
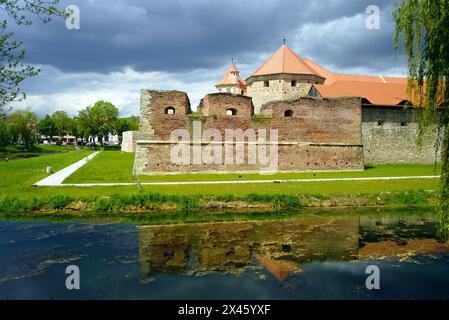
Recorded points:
(127,45)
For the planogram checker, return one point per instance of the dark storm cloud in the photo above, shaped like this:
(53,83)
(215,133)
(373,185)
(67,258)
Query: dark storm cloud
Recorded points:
(179,36)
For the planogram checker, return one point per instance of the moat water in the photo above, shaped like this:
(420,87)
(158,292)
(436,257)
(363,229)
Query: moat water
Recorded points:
(310,256)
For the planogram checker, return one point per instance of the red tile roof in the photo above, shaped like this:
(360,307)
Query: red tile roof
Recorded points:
(228,78)
(377,90)
(284,60)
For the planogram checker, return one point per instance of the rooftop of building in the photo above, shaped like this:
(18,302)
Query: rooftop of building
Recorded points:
(375,90)
(230,76)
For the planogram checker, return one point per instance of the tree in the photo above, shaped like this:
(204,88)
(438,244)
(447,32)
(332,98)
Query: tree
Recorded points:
(12,68)
(126,124)
(73,128)
(422,26)
(47,127)
(22,127)
(4,136)
(62,123)
(99,120)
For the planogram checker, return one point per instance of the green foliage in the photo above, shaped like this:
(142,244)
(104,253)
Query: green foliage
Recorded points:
(62,122)
(422,26)
(98,120)
(47,127)
(123,202)
(59,202)
(22,128)
(196,116)
(126,124)
(411,198)
(12,68)
(4,135)
(261,120)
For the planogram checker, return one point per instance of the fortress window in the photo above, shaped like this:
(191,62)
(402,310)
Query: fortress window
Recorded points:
(170,111)
(403,124)
(266,84)
(380,123)
(294,83)
(288,113)
(231,112)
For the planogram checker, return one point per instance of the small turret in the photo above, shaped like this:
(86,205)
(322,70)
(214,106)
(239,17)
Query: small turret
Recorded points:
(232,82)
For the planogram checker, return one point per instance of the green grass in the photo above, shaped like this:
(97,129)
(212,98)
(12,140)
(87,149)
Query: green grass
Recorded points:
(42,148)
(108,166)
(113,166)
(18,176)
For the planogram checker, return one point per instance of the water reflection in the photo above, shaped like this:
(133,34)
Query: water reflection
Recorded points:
(310,256)
(282,247)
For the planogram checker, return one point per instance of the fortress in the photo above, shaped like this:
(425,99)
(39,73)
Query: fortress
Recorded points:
(323,120)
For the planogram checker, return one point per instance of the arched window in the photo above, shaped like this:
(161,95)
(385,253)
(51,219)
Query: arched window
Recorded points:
(231,112)
(288,113)
(170,111)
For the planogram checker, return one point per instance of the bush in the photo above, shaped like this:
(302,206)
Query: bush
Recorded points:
(11,204)
(60,201)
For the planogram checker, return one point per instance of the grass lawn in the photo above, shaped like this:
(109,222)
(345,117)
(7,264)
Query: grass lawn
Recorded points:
(114,166)
(18,176)
(42,148)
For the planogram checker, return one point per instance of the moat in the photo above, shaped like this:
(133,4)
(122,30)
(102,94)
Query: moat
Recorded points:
(311,256)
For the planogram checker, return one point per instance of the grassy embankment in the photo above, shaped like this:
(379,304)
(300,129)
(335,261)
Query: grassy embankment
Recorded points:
(17,193)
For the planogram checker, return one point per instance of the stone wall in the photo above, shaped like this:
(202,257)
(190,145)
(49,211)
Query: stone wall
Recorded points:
(281,87)
(317,134)
(389,136)
(278,90)
(129,141)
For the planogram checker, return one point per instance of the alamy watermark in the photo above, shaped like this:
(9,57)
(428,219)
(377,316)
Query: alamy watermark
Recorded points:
(73,17)
(72,282)
(372,22)
(257,148)
(373,280)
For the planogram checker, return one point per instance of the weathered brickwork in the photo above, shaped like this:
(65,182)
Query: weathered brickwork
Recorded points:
(313,134)
(218,104)
(389,136)
(317,120)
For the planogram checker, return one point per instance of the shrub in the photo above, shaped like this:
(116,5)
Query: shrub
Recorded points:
(60,201)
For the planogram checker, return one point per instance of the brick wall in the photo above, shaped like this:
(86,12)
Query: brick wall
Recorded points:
(219,103)
(320,134)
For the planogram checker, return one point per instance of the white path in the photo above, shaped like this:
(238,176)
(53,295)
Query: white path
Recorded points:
(246,181)
(56,179)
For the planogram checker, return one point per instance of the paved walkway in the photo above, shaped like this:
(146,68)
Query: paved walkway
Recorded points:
(245,181)
(56,179)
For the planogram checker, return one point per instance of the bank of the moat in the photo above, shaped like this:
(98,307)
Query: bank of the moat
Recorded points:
(151,202)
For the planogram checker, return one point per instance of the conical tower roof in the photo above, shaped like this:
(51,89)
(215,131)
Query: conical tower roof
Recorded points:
(284,60)
(229,77)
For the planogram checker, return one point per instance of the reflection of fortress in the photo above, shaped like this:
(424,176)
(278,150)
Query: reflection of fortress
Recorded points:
(281,247)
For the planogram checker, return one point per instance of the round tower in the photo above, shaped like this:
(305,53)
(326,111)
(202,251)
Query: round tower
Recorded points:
(284,76)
